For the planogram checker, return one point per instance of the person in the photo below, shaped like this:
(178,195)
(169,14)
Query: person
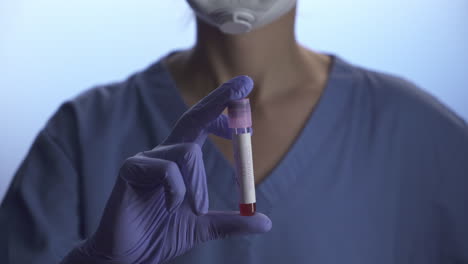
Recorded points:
(351,165)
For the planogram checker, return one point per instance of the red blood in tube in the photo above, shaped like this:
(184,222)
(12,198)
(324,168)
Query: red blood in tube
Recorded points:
(247,209)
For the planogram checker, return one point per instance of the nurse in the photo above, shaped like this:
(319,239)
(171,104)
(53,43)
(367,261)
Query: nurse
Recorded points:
(351,165)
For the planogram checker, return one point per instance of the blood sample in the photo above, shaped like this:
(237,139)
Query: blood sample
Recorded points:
(240,123)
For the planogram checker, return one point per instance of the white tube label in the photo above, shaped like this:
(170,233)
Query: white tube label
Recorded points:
(244,167)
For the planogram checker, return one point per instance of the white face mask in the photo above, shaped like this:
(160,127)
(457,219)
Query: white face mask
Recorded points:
(240,16)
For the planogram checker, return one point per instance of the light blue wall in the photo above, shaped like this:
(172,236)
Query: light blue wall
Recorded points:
(51,50)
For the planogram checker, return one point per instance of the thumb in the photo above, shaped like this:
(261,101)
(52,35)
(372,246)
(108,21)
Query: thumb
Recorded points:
(226,224)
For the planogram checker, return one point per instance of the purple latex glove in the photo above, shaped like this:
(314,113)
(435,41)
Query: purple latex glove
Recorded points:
(158,208)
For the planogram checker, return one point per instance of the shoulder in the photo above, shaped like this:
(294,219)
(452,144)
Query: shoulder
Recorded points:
(104,102)
(106,98)
(108,105)
(91,105)
(394,97)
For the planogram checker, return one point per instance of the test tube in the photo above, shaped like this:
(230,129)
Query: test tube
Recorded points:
(240,123)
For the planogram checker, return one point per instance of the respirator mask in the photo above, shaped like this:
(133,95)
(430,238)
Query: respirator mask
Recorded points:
(240,16)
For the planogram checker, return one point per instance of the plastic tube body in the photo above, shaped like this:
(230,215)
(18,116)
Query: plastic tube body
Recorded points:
(241,128)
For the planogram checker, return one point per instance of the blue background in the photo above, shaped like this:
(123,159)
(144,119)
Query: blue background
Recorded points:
(51,50)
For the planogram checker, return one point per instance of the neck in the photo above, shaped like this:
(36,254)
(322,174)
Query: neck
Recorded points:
(269,55)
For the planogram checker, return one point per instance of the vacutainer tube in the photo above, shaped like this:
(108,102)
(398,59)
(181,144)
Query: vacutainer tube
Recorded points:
(240,123)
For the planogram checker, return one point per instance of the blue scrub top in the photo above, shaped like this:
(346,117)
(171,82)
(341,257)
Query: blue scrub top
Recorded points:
(379,174)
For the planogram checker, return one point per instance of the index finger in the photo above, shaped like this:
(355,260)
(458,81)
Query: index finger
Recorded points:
(192,123)
(210,107)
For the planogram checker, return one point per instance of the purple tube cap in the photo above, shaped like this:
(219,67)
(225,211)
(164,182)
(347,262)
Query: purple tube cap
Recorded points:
(239,113)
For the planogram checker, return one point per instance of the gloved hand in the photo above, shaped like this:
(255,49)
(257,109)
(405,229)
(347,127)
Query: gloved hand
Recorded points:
(158,208)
